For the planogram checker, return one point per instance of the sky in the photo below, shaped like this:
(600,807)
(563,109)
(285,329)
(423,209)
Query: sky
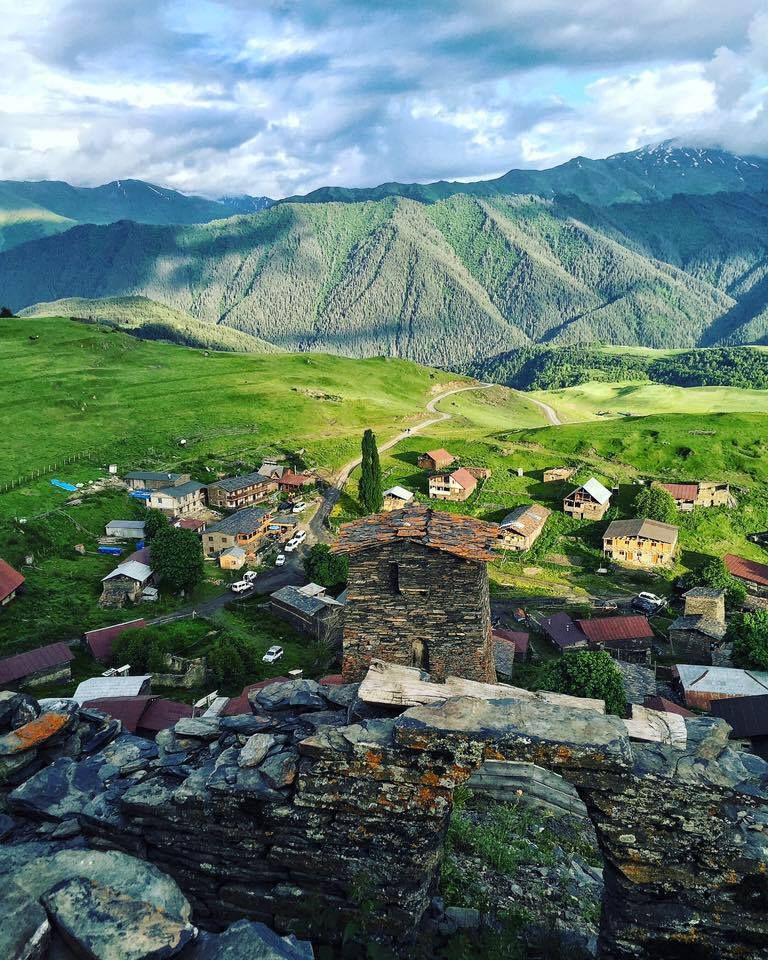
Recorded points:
(280,97)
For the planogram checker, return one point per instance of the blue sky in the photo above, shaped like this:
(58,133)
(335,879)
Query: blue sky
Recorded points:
(283,96)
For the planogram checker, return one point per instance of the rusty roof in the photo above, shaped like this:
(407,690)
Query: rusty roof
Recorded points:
(451,533)
(142,712)
(607,629)
(747,569)
(665,706)
(643,529)
(33,661)
(464,478)
(747,716)
(520,638)
(161,714)
(681,491)
(561,629)
(100,641)
(439,455)
(10,579)
(525,520)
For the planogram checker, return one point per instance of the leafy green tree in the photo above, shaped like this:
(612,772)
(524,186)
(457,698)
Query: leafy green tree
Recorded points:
(655,503)
(132,646)
(370,475)
(6,313)
(749,633)
(715,574)
(177,558)
(587,674)
(226,668)
(155,521)
(326,568)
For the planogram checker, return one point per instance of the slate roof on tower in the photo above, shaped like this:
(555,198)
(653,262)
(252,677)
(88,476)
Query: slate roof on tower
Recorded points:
(461,536)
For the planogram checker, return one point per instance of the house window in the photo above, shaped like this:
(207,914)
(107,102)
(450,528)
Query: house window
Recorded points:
(394,577)
(210,539)
(420,655)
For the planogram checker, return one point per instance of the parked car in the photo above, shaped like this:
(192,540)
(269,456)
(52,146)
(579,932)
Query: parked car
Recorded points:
(300,536)
(648,602)
(240,586)
(299,506)
(280,560)
(285,505)
(608,605)
(290,546)
(274,653)
(250,575)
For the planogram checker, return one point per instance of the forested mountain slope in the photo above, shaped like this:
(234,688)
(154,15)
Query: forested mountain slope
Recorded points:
(440,284)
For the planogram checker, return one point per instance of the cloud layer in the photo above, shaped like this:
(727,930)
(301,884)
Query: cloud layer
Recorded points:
(282,96)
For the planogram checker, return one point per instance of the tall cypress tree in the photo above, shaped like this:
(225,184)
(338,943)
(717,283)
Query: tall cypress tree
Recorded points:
(370,475)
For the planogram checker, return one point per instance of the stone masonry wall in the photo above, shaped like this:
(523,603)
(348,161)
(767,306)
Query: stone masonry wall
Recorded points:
(443,603)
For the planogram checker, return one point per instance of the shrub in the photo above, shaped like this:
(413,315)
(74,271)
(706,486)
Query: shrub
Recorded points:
(749,633)
(655,503)
(587,674)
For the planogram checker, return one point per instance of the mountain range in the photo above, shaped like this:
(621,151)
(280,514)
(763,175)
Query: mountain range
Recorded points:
(33,209)
(452,280)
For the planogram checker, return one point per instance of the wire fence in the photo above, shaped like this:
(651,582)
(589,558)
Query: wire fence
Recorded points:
(50,469)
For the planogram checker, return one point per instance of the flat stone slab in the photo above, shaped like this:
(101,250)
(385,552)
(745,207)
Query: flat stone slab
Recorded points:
(34,734)
(59,791)
(246,940)
(255,749)
(24,928)
(107,924)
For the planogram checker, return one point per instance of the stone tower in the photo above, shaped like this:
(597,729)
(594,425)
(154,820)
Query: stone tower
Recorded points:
(418,593)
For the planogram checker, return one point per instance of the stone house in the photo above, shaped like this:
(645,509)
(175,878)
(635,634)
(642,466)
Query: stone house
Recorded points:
(233,493)
(558,474)
(247,529)
(627,638)
(126,582)
(11,581)
(396,498)
(456,486)
(698,635)
(233,558)
(181,500)
(154,480)
(688,496)
(418,594)
(435,459)
(590,501)
(753,575)
(309,610)
(48,664)
(640,543)
(520,529)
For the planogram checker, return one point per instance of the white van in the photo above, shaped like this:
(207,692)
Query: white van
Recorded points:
(240,586)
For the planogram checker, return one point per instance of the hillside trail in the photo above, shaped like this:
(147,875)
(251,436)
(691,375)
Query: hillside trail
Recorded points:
(549,412)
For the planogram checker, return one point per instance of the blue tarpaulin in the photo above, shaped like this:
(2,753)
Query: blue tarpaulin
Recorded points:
(141,494)
(64,486)
(112,551)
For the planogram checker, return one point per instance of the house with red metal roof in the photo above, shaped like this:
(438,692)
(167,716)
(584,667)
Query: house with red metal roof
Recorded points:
(435,459)
(520,639)
(11,582)
(100,641)
(144,715)
(754,575)
(456,486)
(627,637)
(688,496)
(42,665)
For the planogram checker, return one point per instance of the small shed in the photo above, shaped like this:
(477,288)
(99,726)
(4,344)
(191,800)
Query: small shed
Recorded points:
(42,665)
(233,558)
(144,715)
(395,498)
(519,638)
(125,529)
(520,529)
(100,641)
(435,459)
(11,581)
(590,501)
(309,610)
(558,474)
(562,632)
(624,637)
(125,583)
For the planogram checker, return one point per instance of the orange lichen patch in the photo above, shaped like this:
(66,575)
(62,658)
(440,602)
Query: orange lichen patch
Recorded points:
(493,753)
(38,731)
(430,778)
(459,773)
(637,872)
(686,936)
(373,759)
(426,795)
(563,753)
(731,878)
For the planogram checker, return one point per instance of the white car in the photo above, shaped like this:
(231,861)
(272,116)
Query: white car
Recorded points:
(240,586)
(250,575)
(274,653)
(300,536)
(299,507)
(280,560)
(290,546)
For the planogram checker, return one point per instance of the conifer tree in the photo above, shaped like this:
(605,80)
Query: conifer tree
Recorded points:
(370,475)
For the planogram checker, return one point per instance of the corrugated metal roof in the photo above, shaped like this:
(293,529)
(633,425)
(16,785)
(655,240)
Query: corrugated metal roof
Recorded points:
(645,529)
(182,490)
(10,579)
(100,641)
(128,710)
(97,688)
(681,491)
(440,456)
(33,661)
(161,714)
(451,533)
(747,569)
(606,629)
(665,706)
(526,519)
(596,490)
(152,475)
(126,525)
(132,569)
(464,478)
(729,681)
(400,492)
(561,629)
(520,639)
(748,716)
(143,712)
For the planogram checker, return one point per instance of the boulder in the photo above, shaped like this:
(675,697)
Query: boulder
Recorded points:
(246,940)
(280,769)
(255,749)
(16,709)
(24,928)
(200,728)
(288,695)
(59,791)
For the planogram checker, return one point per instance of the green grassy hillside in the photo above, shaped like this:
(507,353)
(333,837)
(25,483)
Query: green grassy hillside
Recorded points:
(149,320)
(440,284)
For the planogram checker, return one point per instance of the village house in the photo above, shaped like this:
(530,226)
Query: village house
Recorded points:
(435,459)
(562,632)
(700,685)
(520,639)
(590,501)
(100,641)
(247,529)
(520,529)
(49,664)
(272,468)
(558,474)
(698,635)
(154,480)
(11,581)
(125,529)
(418,593)
(291,482)
(99,688)
(640,543)
(180,500)
(628,638)
(752,574)
(195,524)
(233,558)
(233,493)
(456,486)
(688,496)
(395,498)
(126,582)
(144,715)
(309,610)
(748,719)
